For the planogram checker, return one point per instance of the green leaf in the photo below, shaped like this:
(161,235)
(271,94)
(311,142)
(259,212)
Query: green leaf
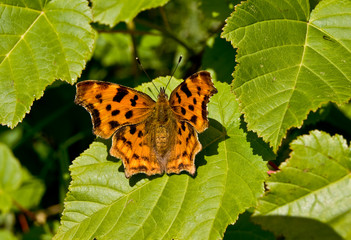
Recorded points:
(30,192)
(7,235)
(112,12)
(311,194)
(16,183)
(10,177)
(291,61)
(113,48)
(40,41)
(102,203)
(346,109)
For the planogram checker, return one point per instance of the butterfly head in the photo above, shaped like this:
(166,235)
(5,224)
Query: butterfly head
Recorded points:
(162,93)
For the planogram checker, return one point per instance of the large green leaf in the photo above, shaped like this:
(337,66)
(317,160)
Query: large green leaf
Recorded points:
(311,196)
(112,12)
(291,61)
(102,203)
(40,41)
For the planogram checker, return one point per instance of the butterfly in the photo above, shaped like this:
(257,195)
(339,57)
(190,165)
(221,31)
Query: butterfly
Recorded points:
(150,137)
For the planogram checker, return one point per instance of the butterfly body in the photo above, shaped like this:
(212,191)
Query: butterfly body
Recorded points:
(150,137)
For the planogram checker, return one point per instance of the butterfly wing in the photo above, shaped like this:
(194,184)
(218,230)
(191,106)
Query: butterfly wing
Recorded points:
(189,100)
(186,147)
(112,106)
(131,144)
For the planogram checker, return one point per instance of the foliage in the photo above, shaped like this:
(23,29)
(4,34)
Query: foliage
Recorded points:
(281,67)
(288,107)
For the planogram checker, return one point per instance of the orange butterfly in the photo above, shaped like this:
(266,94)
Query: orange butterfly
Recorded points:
(150,137)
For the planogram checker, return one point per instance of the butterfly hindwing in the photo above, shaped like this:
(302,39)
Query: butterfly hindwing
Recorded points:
(112,106)
(189,100)
(186,147)
(130,143)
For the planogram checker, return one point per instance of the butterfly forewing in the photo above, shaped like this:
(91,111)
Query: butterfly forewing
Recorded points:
(189,100)
(112,106)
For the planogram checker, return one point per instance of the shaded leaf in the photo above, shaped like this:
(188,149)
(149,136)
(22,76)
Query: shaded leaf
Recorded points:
(30,192)
(10,177)
(311,195)
(245,229)
(291,61)
(102,203)
(111,12)
(40,41)
(113,49)
(16,183)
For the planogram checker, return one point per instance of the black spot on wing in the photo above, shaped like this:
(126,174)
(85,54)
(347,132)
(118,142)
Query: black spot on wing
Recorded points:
(95,114)
(185,89)
(183,126)
(199,91)
(140,134)
(183,110)
(191,107)
(136,156)
(129,114)
(132,129)
(98,97)
(204,110)
(133,100)
(179,99)
(113,124)
(194,101)
(115,112)
(193,119)
(108,107)
(121,93)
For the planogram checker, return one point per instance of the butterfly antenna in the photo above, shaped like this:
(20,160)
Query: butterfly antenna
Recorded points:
(142,68)
(179,60)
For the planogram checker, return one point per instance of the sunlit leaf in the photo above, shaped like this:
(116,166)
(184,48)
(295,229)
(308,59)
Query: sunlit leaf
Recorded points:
(291,61)
(41,41)
(310,197)
(112,12)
